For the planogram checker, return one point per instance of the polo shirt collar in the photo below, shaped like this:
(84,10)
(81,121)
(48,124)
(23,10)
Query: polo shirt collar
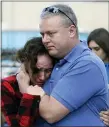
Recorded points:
(74,53)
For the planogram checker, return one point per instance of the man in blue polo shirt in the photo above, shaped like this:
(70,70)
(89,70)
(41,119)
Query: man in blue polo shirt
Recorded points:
(77,89)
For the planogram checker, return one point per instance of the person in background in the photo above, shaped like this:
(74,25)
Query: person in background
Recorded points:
(19,107)
(98,42)
(77,90)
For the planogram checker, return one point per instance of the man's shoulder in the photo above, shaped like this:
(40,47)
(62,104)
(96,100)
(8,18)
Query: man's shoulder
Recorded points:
(90,57)
(88,61)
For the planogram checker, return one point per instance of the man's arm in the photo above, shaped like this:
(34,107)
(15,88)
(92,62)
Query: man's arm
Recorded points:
(50,109)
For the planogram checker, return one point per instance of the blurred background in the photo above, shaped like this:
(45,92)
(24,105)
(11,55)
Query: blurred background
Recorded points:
(20,22)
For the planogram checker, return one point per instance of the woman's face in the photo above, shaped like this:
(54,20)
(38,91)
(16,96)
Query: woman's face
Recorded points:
(44,67)
(97,50)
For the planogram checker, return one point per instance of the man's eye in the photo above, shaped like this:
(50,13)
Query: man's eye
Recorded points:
(50,34)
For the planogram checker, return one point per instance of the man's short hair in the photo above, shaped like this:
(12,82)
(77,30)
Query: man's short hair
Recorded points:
(65,11)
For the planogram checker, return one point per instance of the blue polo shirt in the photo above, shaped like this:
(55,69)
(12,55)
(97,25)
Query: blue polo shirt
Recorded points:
(79,82)
(107,70)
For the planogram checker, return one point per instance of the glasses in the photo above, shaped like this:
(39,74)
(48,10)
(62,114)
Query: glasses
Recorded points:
(56,10)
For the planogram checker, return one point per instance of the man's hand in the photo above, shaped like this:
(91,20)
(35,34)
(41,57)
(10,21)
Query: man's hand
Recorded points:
(23,79)
(104,115)
(35,90)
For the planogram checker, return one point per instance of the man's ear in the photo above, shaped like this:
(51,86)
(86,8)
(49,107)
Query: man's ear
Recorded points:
(72,31)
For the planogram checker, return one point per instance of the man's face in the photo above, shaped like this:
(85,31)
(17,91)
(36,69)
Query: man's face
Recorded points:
(55,36)
(44,67)
(97,50)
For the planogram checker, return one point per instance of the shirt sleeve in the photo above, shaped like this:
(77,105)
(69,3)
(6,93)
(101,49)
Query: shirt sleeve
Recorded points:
(9,103)
(18,111)
(78,85)
(28,110)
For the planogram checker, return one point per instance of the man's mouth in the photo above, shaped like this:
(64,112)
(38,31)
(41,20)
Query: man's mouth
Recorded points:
(50,47)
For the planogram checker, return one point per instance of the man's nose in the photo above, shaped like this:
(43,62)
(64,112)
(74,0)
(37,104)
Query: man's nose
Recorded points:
(45,38)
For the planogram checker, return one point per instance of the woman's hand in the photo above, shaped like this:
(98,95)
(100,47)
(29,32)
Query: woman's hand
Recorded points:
(23,79)
(35,90)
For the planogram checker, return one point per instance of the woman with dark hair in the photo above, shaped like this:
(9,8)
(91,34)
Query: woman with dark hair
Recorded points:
(98,42)
(19,107)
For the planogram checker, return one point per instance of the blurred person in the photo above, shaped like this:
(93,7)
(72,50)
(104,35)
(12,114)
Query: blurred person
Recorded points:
(77,90)
(98,42)
(19,107)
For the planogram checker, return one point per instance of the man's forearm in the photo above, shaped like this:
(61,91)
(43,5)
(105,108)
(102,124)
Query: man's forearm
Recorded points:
(45,109)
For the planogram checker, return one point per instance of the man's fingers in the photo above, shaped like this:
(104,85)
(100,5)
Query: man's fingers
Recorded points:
(104,119)
(105,112)
(104,116)
(106,123)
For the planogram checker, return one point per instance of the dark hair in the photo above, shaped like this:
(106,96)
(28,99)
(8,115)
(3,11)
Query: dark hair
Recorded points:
(101,37)
(31,50)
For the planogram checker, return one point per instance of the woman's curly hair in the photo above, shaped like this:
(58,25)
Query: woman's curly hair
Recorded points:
(31,50)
